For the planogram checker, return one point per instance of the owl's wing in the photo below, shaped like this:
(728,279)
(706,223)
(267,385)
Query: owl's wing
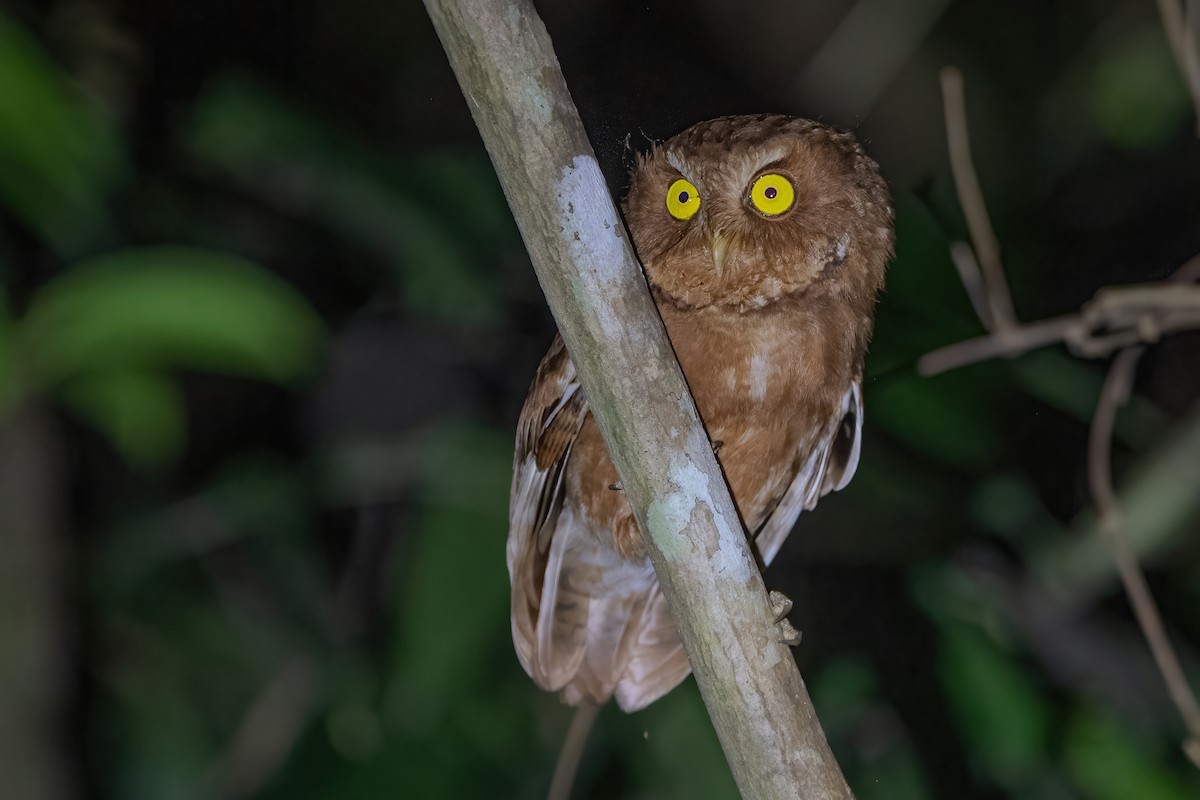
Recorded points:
(584,620)
(550,420)
(828,468)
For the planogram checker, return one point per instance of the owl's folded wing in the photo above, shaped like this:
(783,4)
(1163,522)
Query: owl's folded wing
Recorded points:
(828,468)
(550,420)
(584,620)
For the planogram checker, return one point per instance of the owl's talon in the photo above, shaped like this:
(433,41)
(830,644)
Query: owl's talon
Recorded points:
(616,487)
(717,445)
(785,632)
(781,604)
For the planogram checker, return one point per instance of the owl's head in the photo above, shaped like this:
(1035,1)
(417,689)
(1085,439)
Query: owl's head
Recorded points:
(745,211)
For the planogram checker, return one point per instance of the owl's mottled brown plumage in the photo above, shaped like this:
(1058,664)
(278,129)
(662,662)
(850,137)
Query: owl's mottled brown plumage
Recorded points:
(770,318)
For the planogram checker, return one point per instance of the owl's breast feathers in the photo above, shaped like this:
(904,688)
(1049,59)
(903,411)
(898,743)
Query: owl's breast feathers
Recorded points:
(777,388)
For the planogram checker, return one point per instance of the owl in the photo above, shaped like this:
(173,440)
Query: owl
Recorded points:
(764,240)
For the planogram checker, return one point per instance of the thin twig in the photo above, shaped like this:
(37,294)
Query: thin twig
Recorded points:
(1182,39)
(972,280)
(572,751)
(1115,320)
(270,726)
(1116,393)
(970,195)
(1117,317)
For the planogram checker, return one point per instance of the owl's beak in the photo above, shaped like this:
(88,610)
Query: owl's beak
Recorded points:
(719,246)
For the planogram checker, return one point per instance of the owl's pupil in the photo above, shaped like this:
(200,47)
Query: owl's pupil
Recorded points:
(683,198)
(771,192)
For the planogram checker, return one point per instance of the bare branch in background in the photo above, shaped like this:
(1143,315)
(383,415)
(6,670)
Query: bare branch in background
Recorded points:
(1116,391)
(572,751)
(996,298)
(269,728)
(1182,37)
(1117,319)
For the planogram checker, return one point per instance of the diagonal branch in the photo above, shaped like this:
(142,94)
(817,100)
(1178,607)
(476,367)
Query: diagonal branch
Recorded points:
(756,698)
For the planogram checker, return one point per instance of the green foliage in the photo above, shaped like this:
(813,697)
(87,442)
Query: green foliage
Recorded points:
(939,416)
(874,748)
(59,156)
(432,222)
(106,336)
(141,412)
(169,308)
(1003,714)
(1111,762)
(220,585)
(1138,97)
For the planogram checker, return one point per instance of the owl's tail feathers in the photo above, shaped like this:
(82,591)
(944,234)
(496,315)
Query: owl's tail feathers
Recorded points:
(657,661)
(599,625)
(632,652)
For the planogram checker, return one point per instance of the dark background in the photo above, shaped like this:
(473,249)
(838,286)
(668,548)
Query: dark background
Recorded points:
(266,325)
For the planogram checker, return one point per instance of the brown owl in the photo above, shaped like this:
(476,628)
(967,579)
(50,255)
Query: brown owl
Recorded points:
(765,240)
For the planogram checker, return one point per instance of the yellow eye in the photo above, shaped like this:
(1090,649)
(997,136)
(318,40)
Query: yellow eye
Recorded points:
(683,201)
(772,194)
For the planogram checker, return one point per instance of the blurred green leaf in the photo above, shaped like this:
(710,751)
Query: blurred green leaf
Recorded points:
(672,749)
(155,735)
(438,257)
(943,417)
(59,157)
(461,545)
(1007,504)
(870,741)
(1004,716)
(1138,97)
(140,412)
(1110,762)
(452,670)
(169,307)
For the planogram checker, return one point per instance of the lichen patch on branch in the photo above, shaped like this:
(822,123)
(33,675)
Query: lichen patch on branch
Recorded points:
(587,215)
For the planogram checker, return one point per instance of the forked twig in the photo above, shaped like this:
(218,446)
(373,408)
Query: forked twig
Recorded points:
(1116,319)
(995,298)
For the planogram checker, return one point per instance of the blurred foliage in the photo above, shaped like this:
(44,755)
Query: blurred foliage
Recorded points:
(259,276)
(59,155)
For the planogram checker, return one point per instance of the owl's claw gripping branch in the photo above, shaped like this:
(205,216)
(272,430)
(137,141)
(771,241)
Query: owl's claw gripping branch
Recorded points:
(781,604)
(785,632)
